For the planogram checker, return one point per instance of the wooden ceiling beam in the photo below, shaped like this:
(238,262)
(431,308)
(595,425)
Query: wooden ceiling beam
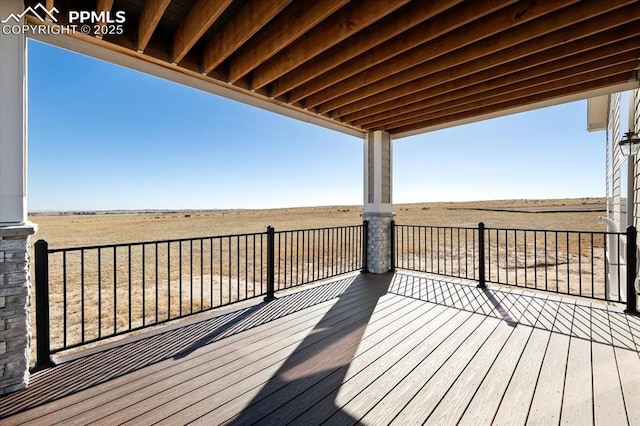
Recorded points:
(541,83)
(387,28)
(355,16)
(102,6)
(496,65)
(538,88)
(429,30)
(253,16)
(515,103)
(151,14)
(468,84)
(488,28)
(198,20)
(488,53)
(296,20)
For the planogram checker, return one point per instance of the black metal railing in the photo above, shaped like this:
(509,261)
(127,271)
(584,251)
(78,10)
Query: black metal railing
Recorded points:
(568,262)
(448,251)
(86,294)
(309,255)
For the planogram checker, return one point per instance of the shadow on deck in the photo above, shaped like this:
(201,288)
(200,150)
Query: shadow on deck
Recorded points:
(370,349)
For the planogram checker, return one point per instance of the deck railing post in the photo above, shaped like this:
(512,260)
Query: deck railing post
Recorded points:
(392,244)
(481,261)
(365,242)
(270,264)
(632,248)
(41,270)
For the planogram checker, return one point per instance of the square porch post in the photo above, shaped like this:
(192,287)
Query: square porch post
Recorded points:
(15,230)
(378,208)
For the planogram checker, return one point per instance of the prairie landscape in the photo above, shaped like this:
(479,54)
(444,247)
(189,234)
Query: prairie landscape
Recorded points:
(69,229)
(150,283)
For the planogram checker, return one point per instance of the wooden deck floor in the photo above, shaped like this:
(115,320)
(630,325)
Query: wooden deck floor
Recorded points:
(367,349)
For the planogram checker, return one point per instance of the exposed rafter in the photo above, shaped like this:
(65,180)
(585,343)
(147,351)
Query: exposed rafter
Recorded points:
(361,65)
(149,18)
(509,20)
(255,15)
(498,78)
(291,24)
(487,67)
(49,4)
(418,36)
(199,19)
(546,83)
(411,15)
(518,42)
(511,104)
(102,6)
(352,18)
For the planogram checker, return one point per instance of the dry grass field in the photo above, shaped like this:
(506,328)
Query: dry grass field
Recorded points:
(71,230)
(132,285)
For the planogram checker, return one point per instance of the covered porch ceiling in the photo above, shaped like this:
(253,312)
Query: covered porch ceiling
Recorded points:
(401,66)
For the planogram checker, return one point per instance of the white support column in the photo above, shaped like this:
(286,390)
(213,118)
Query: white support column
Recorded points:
(15,230)
(13,121)
(378,207)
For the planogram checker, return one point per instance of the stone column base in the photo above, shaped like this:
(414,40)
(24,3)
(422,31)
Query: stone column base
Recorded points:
(15,288)
(378,242)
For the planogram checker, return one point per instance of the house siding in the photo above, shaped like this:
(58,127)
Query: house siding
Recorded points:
(635,127)
(614,161)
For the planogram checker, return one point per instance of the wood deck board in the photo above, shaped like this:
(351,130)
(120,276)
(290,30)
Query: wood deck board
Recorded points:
(404,348)
(320,379)
(486,401)
(316,404)
(194,392)
(547,399)
(158,371)
(404,397)
(620,331)
(629,370)
(577,403)
(47,382)
(608,401)
(634,327)
(135,382)
(366,368)
(517,398)
(453,405)
(428,381)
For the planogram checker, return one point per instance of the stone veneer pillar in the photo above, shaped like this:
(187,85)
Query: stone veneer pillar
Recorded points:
(14,228)
(378,209)
(379,242)
(14,307)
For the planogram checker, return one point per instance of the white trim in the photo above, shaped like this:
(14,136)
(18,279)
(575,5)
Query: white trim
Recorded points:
(597,109)
(365,169)
(377,167)
(140,62)
(543,104)
(390,169)
(13,124)
(377,138)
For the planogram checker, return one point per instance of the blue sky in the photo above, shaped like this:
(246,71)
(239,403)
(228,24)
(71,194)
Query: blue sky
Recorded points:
(105,137)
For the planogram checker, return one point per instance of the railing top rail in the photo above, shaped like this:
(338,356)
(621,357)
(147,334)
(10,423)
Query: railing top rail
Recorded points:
(469,228)
(139,243)
(516,229)
(570,231)
(177,240)
(319,229)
